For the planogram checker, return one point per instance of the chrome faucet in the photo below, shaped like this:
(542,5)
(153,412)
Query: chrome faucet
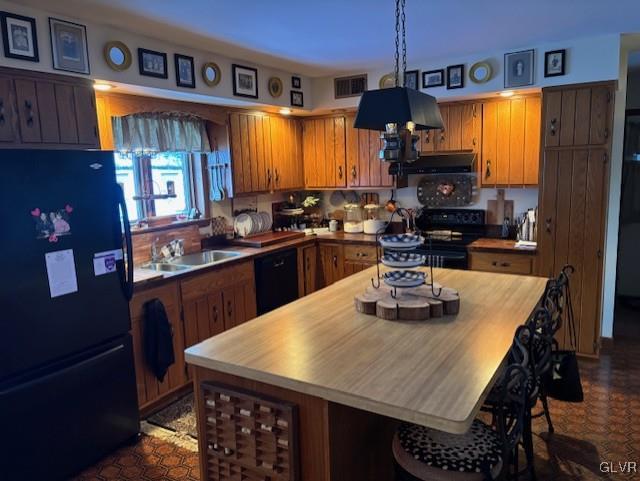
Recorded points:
(155,255)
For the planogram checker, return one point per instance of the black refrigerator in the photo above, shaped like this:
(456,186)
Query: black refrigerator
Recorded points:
(67,380)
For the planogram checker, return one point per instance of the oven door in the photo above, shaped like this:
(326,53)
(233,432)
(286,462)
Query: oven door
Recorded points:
(449,259)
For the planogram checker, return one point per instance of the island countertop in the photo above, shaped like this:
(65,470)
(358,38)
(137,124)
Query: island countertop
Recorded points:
(435,373)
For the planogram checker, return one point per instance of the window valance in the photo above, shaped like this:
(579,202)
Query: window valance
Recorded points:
(160,132)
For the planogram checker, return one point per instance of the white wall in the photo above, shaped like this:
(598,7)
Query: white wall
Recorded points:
(98,35)
(588,59)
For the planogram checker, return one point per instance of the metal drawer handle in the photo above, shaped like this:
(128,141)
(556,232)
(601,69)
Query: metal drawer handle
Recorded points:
(426,137)
(553,126)
(353,172)
(245,430)
(339,172)
(1,111)
(29,106)
(265,427)
(228,451)
(487,173)
(277,177)
(245,412)
(215,313)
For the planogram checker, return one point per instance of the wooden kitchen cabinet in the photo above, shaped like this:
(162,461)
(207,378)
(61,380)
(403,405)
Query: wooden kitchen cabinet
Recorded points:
(217,300)
(511,142)
(505,263)
(40,110)
(148,387)
(573,198)
(358,257)
(462,129)
(266,153)
(331,264)
(324,152)
(309,268)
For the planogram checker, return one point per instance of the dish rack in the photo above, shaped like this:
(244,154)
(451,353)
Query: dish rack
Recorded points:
(399,252)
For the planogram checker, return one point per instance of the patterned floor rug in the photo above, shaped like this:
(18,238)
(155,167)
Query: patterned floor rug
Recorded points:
(179,417)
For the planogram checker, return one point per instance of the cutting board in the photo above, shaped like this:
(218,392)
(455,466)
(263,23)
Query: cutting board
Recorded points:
(267,239)
(498,209)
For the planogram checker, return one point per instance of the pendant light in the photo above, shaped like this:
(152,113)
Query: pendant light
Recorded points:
(398,111)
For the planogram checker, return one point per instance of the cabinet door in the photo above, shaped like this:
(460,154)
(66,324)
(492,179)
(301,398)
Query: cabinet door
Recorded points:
(264,134)
(441,136)
(48,113)
(241,182)
(332,264)
(352,160)
(489,143)
(532,141)
(7,112)
(238,304)
(470,126)
(310,263)
(286,154)
(28,112)
(340,152)
(86,115)
(66,105)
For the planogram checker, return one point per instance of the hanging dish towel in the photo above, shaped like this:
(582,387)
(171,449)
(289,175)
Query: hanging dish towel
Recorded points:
(157,338)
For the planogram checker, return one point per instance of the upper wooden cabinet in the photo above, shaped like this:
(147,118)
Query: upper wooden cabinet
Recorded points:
(364,167)
(266,153)
(462,129)
(40,110)
(510,142)
(577,116)
(324,152)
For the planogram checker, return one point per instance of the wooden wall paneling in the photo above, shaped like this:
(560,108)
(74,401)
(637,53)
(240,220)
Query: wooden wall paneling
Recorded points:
(8,120)
(28,112)
(375,164)
(455,127)
(105,129)
(49,128)
(503,128)
(594,220)
(340,153)
(142,241)
(547,202)
(516,142)
(489,143)
(87,122)
(364,154)
(532,140)
(601,97)
(66,108)
(552,112)
(582,113)
(567,118)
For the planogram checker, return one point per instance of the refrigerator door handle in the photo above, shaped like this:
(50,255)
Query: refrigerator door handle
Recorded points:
(128,283)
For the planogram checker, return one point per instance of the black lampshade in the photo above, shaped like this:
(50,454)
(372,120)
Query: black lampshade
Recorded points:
(397,105)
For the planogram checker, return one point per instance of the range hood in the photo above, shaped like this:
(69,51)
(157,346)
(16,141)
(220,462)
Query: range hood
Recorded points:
(455,163)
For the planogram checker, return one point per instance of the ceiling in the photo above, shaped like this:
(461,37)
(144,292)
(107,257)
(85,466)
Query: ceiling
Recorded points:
(324,37)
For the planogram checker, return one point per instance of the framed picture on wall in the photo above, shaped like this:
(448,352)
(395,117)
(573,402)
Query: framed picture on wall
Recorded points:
(518,69)
(245,81)
(69,46)
(296,82)
(297,98)
(455,76)
(554,63)
(185,71)
(152,63)
(432,78)
(19,37)
(411,78)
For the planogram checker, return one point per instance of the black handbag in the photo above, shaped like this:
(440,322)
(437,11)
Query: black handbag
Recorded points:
(562,381)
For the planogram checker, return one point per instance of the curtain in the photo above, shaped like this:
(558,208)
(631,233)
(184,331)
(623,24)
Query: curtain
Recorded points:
(160,132)
(630,207)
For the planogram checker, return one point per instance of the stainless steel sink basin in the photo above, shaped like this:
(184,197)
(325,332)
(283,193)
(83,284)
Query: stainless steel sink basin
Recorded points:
(164,267)
(204,258)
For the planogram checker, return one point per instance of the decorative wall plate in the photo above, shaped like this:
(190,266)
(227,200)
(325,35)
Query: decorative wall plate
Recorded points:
(445,190)
(480,72)
(275,87)
(387,81)
(211,74)
(117,55)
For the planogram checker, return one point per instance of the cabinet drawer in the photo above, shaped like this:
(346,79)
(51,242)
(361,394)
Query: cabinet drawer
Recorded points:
(219,278)
(360,253)
(501,262)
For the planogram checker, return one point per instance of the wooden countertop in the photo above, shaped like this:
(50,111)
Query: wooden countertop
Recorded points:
(498,245)
(435,373)
(144,278)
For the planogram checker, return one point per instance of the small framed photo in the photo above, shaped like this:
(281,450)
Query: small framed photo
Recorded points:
(554,63)
(152,63)
(297,99)
(185,71)
(518,69)
(245,81)
(296,82)
(411,79)
(19,37)
(432,78)
(69,46)
(455,76)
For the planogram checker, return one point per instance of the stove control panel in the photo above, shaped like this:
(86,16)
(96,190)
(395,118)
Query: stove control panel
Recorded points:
(450,217)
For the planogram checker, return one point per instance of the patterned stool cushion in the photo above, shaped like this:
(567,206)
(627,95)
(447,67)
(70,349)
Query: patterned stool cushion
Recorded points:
(476,451)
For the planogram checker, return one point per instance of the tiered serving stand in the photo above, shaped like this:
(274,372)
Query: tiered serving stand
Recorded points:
(405,293)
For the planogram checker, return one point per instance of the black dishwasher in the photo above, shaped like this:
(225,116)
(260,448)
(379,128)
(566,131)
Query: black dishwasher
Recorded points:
(276,280)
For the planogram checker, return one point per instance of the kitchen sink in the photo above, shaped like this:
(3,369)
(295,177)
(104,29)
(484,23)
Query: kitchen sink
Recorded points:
(204,258)
(164,267)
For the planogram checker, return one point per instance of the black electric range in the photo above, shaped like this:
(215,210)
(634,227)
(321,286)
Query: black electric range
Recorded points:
(447,234)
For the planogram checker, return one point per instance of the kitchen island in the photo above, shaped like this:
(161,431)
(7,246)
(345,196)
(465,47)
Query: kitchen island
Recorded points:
(345,379)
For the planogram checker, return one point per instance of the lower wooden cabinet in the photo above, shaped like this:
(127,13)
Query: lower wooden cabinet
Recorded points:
(309,277)
(358,257)
(149,388)
(217,300)
(502,262)
(331,264)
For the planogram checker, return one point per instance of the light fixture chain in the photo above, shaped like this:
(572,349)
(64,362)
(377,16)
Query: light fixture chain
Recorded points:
(404,45)
(397,57)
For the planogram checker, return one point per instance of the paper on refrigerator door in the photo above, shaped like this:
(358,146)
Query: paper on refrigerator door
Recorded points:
(105,262)
(61,271)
